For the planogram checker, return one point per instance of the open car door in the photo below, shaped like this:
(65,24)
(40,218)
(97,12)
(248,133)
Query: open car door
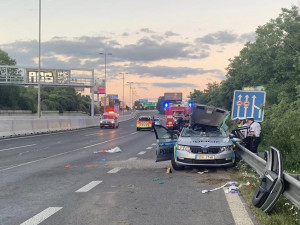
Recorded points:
(166,139)
(271,185)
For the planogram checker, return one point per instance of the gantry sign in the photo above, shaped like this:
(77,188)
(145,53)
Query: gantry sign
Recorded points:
(77,78)
(248,104)
(49,77)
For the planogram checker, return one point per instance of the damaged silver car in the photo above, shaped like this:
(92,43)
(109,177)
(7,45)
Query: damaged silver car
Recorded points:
(203,143)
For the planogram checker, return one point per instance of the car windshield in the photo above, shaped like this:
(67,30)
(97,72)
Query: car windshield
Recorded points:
(203,132)
(108,117)
(144,119)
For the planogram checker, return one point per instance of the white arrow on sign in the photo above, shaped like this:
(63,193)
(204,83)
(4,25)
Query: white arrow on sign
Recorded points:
(255,107)
(238,110)
(246,108)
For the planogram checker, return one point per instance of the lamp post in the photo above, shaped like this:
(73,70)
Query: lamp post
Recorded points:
(39,69)
(105,54)
(130,93)
(123,92)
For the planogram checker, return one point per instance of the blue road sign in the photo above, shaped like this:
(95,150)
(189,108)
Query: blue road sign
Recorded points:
(248,104)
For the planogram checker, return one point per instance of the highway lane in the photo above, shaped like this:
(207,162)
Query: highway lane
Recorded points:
(61,180)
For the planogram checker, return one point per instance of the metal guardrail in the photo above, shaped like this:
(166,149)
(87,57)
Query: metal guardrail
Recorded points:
(291,182)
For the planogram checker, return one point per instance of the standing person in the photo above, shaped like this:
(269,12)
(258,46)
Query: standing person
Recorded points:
(254,135)
(245,127)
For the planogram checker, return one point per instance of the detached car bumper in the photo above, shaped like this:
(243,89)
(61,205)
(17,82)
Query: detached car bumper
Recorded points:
(184,158)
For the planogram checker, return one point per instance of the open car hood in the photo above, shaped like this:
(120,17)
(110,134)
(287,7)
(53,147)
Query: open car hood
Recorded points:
(207,116)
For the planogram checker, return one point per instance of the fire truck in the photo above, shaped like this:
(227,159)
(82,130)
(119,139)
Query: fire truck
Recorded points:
(177,111)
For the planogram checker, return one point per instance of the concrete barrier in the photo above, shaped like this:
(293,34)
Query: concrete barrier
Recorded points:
(6,128)
(92,122)
(23,127)
(65,124)
(53,125)
(40,126)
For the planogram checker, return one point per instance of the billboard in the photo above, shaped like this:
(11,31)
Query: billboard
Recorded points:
(99,87)
(113,96)
(173,96)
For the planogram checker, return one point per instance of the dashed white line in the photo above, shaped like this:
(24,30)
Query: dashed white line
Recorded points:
(133,158)
(89,186)
(149,148)
(154,144)
(37,219)
(115,170)
(142,153)
(24,146)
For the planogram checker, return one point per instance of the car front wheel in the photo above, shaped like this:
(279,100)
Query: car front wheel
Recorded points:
(175,166)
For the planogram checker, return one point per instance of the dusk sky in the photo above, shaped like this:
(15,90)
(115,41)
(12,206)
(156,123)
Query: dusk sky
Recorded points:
(164,46)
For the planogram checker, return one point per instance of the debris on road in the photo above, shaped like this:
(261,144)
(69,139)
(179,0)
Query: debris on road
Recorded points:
(155,179)
(169,170)
(202,172)
(113,150)
(103,160)
(228,183)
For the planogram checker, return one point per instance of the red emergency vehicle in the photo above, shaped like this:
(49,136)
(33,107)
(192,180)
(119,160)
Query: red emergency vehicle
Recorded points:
(177,112)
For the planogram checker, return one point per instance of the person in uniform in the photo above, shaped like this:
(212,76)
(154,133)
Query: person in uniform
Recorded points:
(253,139)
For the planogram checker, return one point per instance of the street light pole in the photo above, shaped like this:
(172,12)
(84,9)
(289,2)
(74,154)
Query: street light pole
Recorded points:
(123,93)
(130,93)
(39,69)
(105,53)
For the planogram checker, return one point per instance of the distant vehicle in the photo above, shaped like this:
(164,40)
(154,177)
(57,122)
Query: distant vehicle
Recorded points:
(109,119)
(156,121)
(204,142)
(144,122)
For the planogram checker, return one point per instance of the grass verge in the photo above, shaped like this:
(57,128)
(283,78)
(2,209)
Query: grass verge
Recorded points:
(283,213)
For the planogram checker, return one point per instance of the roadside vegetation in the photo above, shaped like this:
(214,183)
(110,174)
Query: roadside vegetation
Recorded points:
(272,61)
(283,213)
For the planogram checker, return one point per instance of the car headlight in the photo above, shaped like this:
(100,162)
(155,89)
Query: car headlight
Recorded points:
(101,121)
(187,148)
(226,148)
(112,121)
(180,147)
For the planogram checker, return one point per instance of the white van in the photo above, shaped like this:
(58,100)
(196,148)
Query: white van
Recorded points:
(109,119)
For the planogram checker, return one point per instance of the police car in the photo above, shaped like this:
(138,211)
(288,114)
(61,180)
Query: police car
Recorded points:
(203,143)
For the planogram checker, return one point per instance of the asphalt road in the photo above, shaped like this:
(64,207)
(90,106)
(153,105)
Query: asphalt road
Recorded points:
(64,178)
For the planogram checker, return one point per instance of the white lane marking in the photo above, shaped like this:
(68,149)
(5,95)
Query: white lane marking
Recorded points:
(64,153)
(89,186)
(133,158)
(154,144)
(149,148)
(92,134)
(115,170)
(238,211)
(24,146)
(142,153)
(37,219)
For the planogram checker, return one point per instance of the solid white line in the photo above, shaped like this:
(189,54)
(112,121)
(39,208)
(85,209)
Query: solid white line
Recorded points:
(237,208)
(89,186)
(24,146)
(115,170)
(37,219)
(64,153)
(142,153)
(133,158)
(149,148)
(92,134)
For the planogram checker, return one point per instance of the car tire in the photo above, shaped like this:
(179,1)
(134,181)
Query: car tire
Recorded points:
(175,166)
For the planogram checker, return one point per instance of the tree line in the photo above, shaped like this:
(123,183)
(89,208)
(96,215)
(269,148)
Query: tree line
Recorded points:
(272,61)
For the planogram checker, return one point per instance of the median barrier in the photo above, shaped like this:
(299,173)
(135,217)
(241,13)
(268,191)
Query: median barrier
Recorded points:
(40,126)
(6,128)
(65,124)
(53,125)
(23,127)
(92,122)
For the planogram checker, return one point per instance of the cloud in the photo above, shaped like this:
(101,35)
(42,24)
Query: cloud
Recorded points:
(146,30)
(170,33)
(175,85)
(171,72)
(225,37)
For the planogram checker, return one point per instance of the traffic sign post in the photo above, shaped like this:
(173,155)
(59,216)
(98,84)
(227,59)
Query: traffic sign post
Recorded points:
(248,104)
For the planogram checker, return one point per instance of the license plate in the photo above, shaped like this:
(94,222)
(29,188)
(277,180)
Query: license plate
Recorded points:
(204,157)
